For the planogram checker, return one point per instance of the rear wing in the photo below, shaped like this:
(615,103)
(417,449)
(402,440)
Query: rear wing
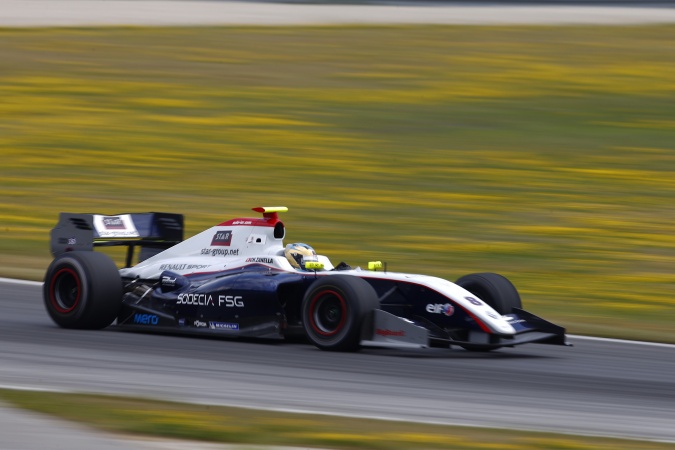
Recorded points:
(153,232)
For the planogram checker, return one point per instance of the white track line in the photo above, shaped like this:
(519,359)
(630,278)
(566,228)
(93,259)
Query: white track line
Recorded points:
(621,341)
(22,282)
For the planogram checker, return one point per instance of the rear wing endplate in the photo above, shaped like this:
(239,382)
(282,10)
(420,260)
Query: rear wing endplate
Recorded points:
(153,232)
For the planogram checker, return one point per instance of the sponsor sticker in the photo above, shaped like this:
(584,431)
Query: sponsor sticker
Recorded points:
(446,309)
(145,319)
(387,332)
(168,281)
(183,266)
(121,226)
(195,299)
(227,301)
(222,238)
(220,251)
(223,326)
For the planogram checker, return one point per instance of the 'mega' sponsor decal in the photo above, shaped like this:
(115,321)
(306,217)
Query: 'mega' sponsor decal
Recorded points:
(228,301)
(146,319)
(222,238)
(446,309)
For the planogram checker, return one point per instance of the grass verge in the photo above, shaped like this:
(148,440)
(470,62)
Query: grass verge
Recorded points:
(135,416)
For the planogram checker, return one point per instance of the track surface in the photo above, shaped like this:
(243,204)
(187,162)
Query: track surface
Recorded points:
(162,12)
(597,387)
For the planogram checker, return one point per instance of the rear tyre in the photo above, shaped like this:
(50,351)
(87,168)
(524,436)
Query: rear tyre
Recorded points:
(495,290)
(82,290)
(335,309)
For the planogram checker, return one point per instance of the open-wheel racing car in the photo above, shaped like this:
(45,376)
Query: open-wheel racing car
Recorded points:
(238,279)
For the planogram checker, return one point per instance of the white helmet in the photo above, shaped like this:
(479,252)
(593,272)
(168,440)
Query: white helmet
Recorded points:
(298,254)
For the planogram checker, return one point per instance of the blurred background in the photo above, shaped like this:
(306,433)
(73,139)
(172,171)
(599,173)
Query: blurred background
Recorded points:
(546,154)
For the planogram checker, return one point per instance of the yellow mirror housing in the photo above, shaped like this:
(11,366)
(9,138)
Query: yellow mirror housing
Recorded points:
(314,265)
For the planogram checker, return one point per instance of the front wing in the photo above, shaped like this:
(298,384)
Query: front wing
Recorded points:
(389,330)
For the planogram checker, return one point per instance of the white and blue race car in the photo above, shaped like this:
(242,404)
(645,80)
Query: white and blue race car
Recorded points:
(238,279)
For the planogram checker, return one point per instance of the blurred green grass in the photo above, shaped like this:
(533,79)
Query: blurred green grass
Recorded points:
(167,420)
(546,154)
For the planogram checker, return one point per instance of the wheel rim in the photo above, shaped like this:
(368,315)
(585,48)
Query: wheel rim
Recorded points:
(328,312)
(65,291)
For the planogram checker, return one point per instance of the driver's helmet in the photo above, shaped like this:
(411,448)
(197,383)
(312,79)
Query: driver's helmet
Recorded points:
(298,254)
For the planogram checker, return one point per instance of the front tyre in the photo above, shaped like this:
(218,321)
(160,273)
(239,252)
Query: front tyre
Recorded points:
(494,289)
(335,309)
(82,290)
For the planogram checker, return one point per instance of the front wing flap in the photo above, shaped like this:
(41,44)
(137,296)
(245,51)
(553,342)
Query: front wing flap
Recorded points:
(527,323)
(389,330)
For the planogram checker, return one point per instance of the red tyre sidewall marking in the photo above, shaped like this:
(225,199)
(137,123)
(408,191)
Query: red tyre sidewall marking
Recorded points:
(52,297)
(312,308)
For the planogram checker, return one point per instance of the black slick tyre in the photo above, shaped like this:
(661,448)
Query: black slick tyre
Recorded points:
(335,309)
(82,290)
(494,289)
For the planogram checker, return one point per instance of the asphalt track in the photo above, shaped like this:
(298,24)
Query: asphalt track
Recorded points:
(597,387)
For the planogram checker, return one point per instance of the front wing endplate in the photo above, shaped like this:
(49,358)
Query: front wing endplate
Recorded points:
(390,330)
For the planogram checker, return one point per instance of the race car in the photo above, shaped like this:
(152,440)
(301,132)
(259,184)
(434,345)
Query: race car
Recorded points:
(238,279)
